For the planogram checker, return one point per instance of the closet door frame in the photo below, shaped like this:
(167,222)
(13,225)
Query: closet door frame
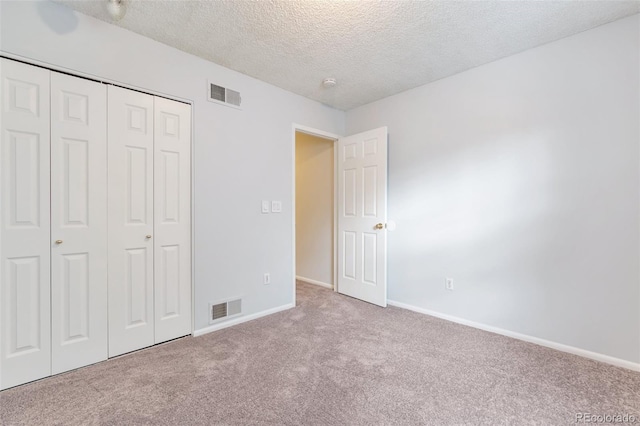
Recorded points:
(190,102)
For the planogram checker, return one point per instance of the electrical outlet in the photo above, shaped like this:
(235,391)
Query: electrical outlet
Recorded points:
(448,283)
(265,206)
(267,279)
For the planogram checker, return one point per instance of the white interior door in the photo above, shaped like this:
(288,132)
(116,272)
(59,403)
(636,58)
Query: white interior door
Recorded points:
(362,216)
(130,211)
(172,219)
(78,222)
(25,333)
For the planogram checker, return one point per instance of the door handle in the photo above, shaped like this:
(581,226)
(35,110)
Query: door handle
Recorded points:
(58,242)
(379,226)
(148,237)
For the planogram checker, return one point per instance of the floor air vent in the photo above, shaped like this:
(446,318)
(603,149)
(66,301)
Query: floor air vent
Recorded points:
(225,309)
(224,96)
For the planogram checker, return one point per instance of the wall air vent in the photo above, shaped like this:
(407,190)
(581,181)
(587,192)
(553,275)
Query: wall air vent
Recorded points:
(233,97)
(226,309)
(218,311)
(224,96)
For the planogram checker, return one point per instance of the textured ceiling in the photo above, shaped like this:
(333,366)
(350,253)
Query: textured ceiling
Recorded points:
(373,48)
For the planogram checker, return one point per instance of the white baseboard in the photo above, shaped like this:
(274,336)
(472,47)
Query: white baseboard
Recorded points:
(314,282)
(542,342)
(241,319)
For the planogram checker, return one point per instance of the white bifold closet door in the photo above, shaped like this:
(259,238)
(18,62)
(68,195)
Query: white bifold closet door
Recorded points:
(149,220)
(95,222)
(25,327)
(78,222)
(130,181)
(172,219)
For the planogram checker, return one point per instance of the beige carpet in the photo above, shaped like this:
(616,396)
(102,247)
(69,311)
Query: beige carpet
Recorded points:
(331,361)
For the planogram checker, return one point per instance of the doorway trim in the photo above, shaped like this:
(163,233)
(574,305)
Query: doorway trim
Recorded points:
(295,128)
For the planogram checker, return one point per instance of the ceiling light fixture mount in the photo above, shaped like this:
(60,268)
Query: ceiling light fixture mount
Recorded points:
(329,82)
(116,9)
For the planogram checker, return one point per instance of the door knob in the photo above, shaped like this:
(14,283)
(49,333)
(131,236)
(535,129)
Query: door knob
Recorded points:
(58,241)
(148,237)
(379,226)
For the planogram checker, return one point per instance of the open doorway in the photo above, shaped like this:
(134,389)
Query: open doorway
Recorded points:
(345,251)
(314,209)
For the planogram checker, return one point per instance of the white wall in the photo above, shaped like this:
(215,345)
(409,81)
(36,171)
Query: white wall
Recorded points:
(520,180)
(314,208)
(241,157)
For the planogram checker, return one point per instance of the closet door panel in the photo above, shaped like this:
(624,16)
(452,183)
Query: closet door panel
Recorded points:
(78,222)
(130,212)
(172,219)
(25,334)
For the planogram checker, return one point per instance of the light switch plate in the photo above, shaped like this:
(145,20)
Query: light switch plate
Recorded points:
(265,206)
(276,206)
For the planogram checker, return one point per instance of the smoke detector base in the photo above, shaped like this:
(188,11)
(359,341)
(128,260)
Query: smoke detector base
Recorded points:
(329,83)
